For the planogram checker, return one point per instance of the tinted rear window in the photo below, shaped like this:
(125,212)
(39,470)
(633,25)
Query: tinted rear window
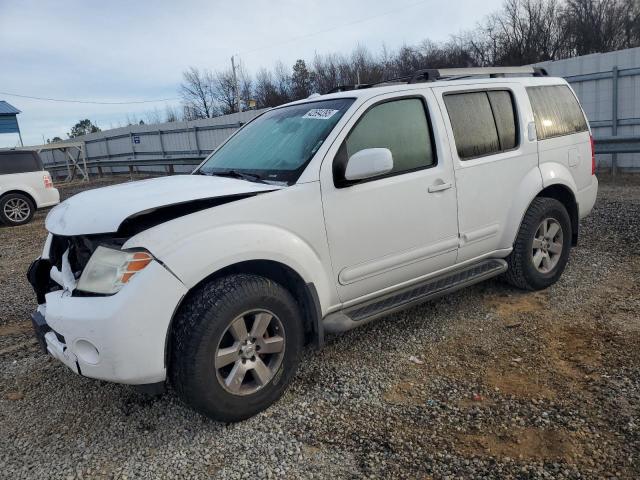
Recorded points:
(556,111)
(483,122)
(19,162)
(505,118)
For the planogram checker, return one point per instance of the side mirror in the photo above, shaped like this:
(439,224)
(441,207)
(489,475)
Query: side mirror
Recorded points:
(368,163)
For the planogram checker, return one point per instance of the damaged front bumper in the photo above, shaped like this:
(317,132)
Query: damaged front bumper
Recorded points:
(51,343)
(120,338)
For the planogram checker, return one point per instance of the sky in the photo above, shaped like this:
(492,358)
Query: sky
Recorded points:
(123,51)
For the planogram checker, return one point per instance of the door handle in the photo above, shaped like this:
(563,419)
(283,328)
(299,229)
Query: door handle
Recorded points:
(439,187)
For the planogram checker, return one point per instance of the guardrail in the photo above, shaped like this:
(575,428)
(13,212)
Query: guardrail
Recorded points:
(616,145)
(60,169)
(604,146)
(622,144)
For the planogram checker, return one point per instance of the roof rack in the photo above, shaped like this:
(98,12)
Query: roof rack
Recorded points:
(433,74)
(492,72)
(346,88)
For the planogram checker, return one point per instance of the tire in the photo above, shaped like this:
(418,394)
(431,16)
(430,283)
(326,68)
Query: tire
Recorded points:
(203,333)
(538,268)
(16,209)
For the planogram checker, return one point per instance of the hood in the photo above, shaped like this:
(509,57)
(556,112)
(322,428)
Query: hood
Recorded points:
(103,210)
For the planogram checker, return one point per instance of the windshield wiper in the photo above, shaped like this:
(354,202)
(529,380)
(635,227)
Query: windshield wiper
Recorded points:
(251,177)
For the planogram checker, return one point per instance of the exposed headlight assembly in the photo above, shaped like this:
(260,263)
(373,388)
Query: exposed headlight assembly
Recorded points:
(108,270)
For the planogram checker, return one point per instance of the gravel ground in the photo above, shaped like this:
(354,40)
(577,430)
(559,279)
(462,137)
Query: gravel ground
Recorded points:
(504,384)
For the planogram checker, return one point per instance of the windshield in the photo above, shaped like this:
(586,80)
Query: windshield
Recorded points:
(277,145)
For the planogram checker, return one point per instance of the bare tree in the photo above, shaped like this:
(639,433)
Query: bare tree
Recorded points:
(270,91)
(330,71)
(153,116)
(600,25)
(364,67)
(521,32)
(282,82)
(197,91)
(170,114)
(246,87)
(224,91)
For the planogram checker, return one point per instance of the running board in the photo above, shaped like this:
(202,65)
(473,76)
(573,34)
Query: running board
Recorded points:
(429,289)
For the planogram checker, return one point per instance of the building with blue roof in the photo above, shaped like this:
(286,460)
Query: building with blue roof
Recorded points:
(9,119)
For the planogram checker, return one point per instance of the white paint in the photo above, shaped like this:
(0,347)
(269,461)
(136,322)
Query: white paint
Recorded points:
(368,163)
(354,243)
(103,210)
(31,183)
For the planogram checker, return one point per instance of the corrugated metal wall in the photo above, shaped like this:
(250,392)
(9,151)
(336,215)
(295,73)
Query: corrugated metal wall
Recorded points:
(163,141)
(595,79)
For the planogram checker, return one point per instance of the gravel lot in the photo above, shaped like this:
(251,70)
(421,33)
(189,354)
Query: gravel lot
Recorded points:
(507,385)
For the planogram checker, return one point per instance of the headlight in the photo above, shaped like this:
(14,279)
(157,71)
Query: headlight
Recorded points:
(108,270)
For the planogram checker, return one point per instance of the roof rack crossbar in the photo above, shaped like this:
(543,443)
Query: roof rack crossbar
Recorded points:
(346,88)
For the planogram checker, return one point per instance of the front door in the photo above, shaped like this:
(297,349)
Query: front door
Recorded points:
(390,230)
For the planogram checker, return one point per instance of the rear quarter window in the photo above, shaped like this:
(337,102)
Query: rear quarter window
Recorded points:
(19,162)
(556,111)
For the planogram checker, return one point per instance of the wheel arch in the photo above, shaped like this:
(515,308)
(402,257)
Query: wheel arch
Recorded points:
(27,194)
(305,295)
(564,195)
(558,183)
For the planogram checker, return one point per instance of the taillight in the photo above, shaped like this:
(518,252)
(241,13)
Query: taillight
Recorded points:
(593,155)
(48,183)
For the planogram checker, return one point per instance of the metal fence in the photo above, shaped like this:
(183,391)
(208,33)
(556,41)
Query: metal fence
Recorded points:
(608,85)
(171,147)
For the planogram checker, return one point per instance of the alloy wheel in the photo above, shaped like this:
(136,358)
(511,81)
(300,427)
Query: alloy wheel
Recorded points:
(17,210)
(250,352)
(547,245)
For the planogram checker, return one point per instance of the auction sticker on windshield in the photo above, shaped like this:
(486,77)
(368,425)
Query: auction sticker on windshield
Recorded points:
(320,113)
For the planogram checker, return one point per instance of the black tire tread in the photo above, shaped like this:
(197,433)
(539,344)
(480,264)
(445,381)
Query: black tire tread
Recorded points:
(191,320)
(6,221)
(518,257)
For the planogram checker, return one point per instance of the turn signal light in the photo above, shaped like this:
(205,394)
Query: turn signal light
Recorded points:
(137,263)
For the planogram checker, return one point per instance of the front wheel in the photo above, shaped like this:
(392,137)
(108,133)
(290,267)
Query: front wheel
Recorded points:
(236,343)
(541,250)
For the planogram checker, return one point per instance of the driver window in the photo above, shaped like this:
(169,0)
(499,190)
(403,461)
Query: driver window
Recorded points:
(399,125)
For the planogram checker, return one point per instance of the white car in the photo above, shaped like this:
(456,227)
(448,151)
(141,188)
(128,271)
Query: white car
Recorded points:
(24,187)
(317,216)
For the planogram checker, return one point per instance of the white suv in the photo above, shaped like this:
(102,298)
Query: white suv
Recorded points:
(318,216)
(24,187)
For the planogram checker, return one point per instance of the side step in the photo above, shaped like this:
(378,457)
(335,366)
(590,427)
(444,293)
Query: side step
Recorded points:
(429,289)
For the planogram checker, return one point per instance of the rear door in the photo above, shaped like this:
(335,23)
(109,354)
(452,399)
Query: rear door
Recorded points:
(491,157)
(562,131)
(393,229)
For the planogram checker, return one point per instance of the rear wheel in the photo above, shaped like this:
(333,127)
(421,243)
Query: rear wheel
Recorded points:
(16,209)
(541,250)
(235,346)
